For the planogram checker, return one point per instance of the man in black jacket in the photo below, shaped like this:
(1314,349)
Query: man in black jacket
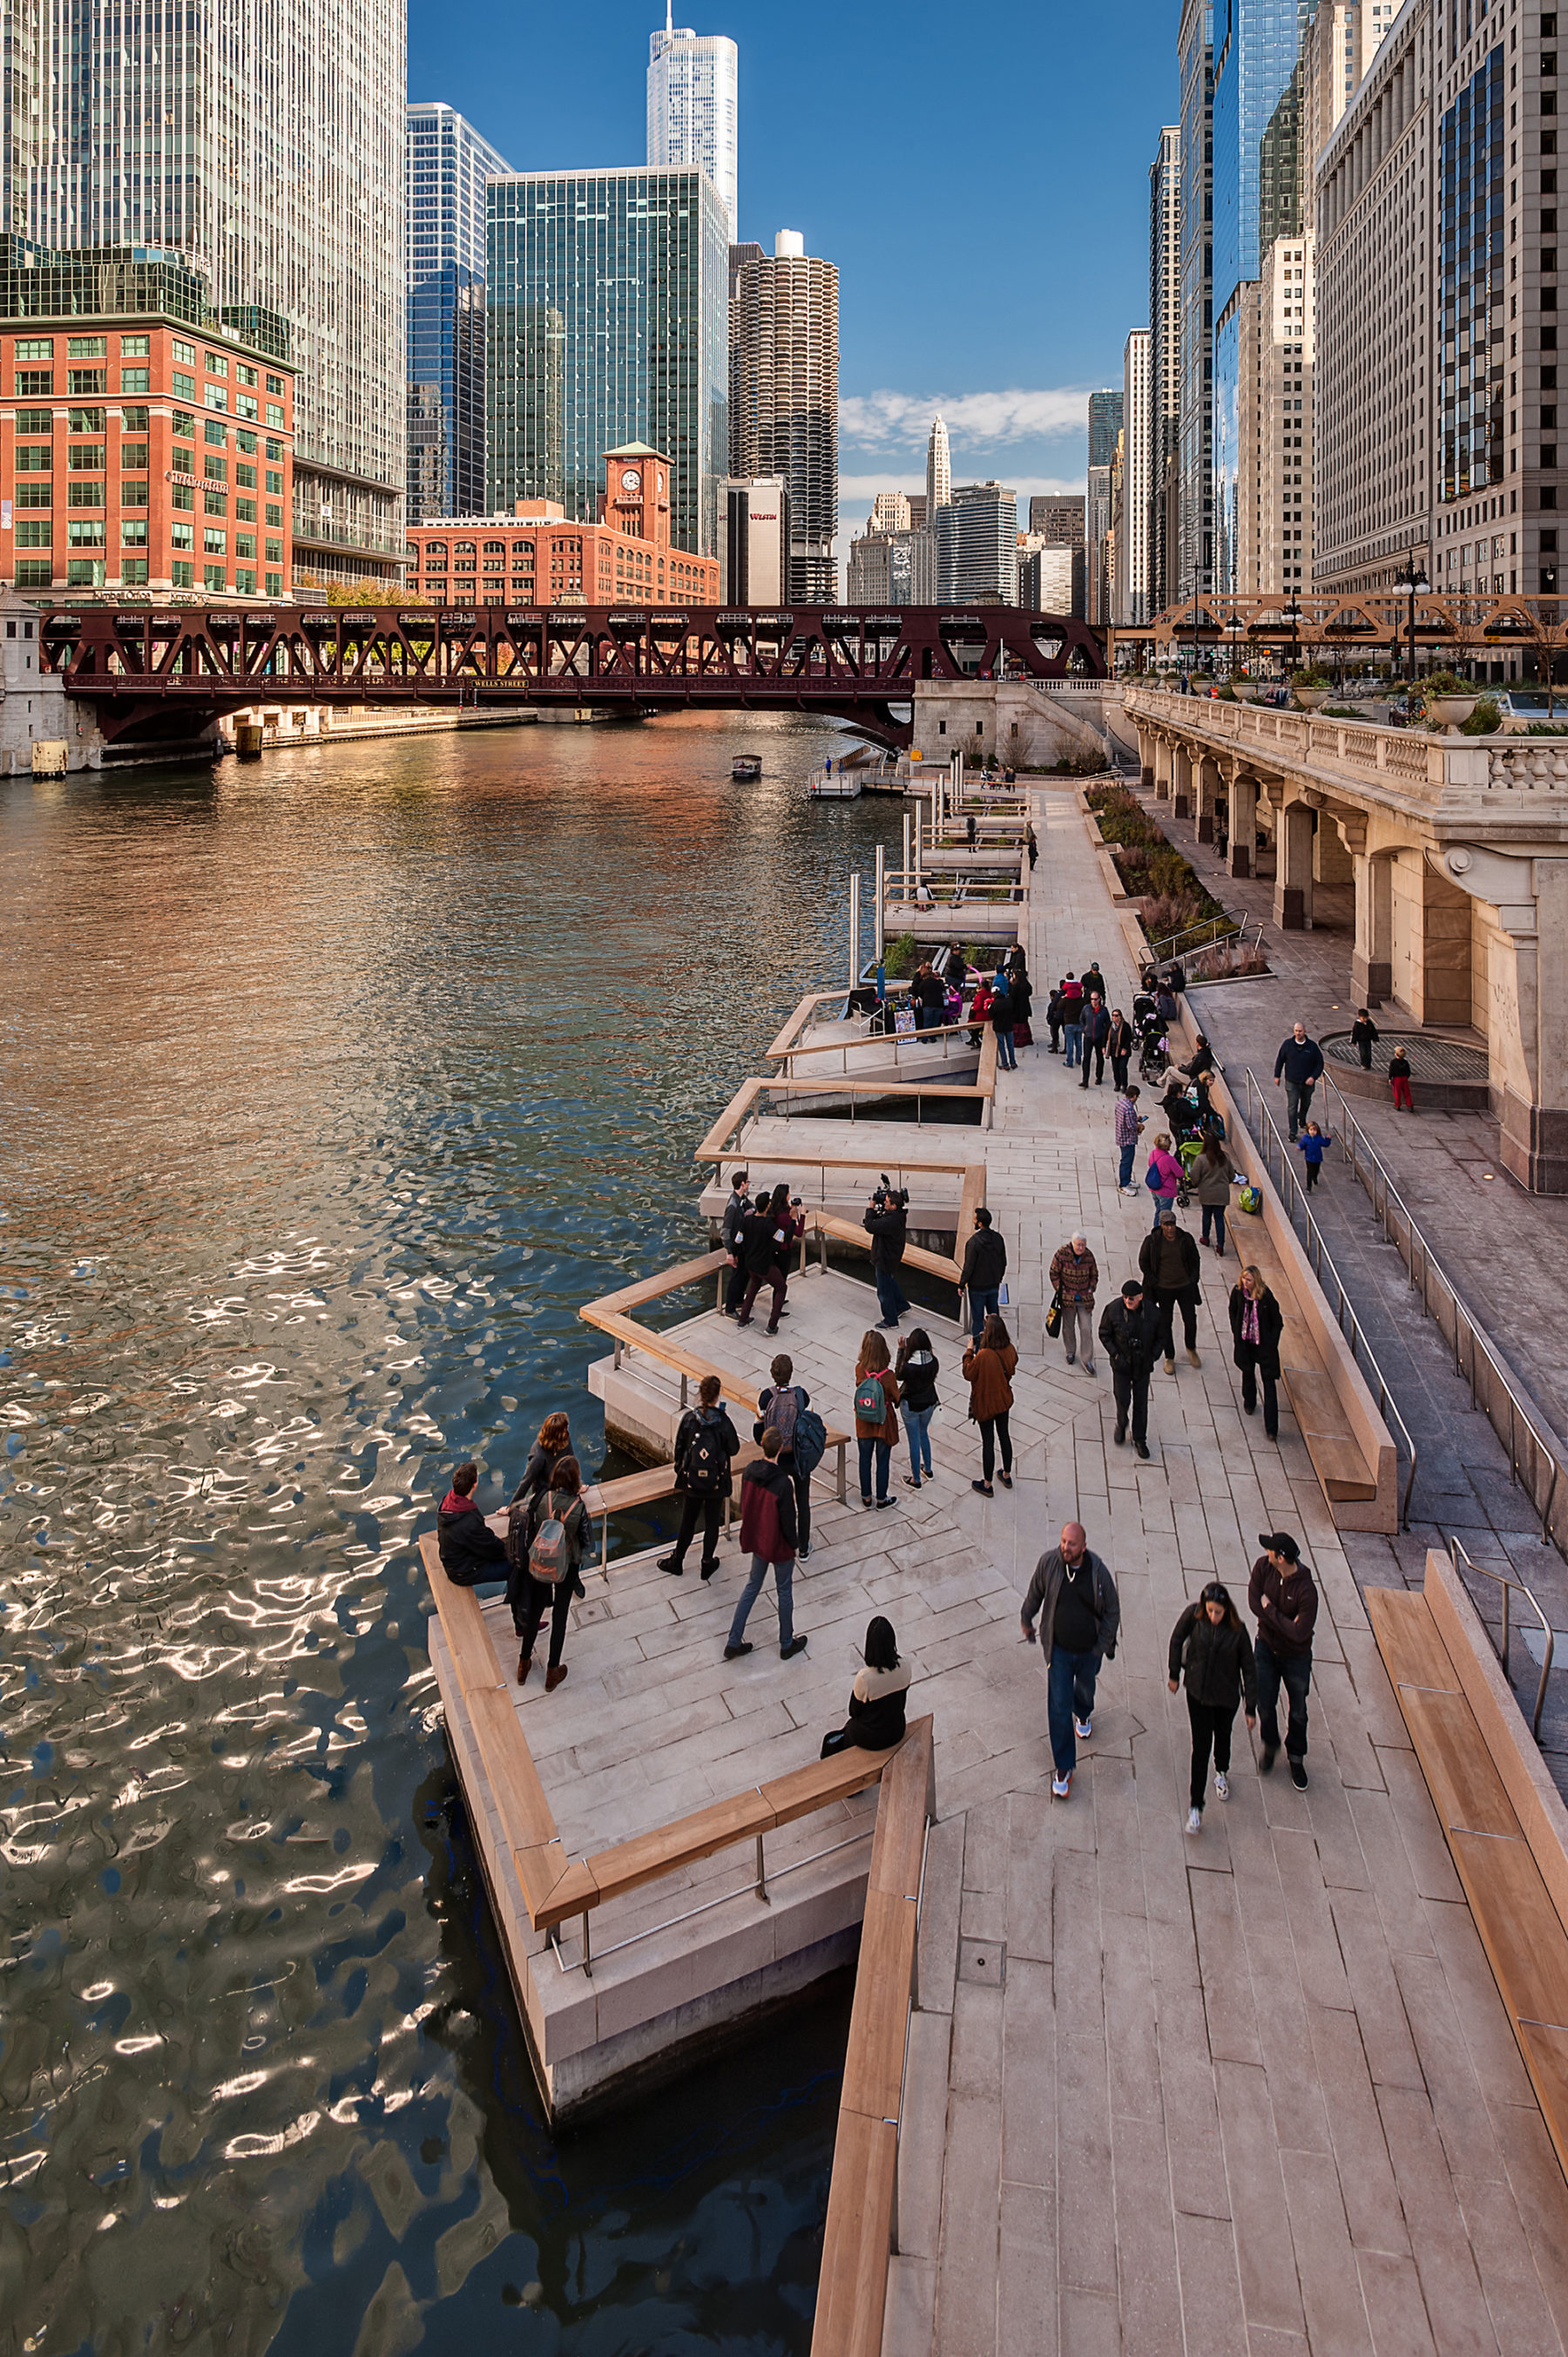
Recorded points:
(1080,1614)
(1096,1039)
(1300,1065)
(887,1222)
(1282,1595)
(470,1552)
(1129,1333)
(984,1266)
(1172,1270)
(735,1210)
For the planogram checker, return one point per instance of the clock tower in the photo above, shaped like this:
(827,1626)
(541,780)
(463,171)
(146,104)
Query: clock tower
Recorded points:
(637,492)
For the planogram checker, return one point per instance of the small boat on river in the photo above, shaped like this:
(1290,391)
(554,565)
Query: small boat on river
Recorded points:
(746,768)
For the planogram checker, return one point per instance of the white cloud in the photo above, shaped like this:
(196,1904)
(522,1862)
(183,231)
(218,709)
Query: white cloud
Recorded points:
(886,419)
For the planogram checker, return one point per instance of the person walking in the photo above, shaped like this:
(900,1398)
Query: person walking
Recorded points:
(1211,1649)
(1022,998)
(1093,980)
(875,1434)
(1128,1128)
(1096,1039)
(887,1222)
(988,1370)
(1000,1017)
(470,1550)
(1032,845)
(1299,1066)
(1129,1334)
(1282,1596)
(545,1569)
(1075,1279)
(735,1210)
(767,1535)
(916,1369)
(1213,1176)
(1364,1036)
(1119,1046)
(1072,1017)
(970,830)
(1080,1613)
(1399,1081)
(1257,1323)
(1053,1019)
(1312,1145)
(1164,1176)
(705,1442)
(1172,1270)
(984,1266)
(780,1407)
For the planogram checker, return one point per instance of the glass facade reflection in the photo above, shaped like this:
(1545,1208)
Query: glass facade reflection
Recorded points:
(1471,293)
(1195,554)
(608,321)
(1257,182)
(448,163)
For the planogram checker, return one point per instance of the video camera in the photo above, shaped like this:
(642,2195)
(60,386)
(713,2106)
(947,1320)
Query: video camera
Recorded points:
(887,1196)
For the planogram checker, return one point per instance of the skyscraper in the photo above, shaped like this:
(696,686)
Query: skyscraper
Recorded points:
(1058,518)
(692,108)
(1195,52)
(1104,425)
(785,323)
(606,323)
(977,546)
(1165,363)
(1137,441)
(448,163)
(938,470)
(267,146)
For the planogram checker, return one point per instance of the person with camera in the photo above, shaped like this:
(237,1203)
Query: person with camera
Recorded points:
(766,1235)
(887,1222)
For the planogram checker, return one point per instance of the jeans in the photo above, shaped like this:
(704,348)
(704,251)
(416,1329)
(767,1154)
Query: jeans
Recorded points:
(784,1581)
(1166,1302)
(993,1428)
(803,1505)
(1131,1396)
(537,1598)
(1293,1672)
(1211,1726)
(1078,1330)
(1070,1694)
(923,1014)
(1213,1212)
(980,1306)
(1124,1175)
(1006,1059)
(1364,1050)
(1298,1104)
(891,1297)
(918,1432)
(1073,1034)
(1249,1380)
(1163,1203)
(882,1450)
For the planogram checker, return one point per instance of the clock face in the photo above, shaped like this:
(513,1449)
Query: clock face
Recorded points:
(630,479)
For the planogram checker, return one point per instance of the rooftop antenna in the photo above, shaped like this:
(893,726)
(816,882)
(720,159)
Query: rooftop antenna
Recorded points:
(670,16)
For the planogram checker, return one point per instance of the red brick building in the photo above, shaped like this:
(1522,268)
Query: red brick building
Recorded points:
(538,557)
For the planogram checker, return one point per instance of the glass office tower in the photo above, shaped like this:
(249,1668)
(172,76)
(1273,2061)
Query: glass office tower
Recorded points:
(608,321)
(693,108)
(1195,548)
(448,163)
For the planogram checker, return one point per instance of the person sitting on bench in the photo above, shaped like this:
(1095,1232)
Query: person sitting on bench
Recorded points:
(877,1698)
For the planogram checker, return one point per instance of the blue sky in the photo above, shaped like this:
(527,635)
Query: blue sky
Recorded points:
(979,174)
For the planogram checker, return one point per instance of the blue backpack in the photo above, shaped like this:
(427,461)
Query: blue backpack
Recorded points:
(811,1440)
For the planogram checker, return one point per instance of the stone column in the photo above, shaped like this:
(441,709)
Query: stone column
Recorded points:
(1205,781)
(1181,781)
(1244,822)
(1535,1131)
(1293,869)
(1371,962)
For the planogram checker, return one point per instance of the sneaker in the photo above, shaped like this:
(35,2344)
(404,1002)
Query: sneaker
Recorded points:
(1221,1784)
(796,1645)
(1298,1774)
(1142,1448)
(984,1489)
(1131,1193)
(733,1652)
(885,1502)
(887,1325)
(1082,1727)
(911,1480)
(1194,1821)
(866,1501)
(1194,1358)
(669,1563)
(1060,1787)
(1266,1758)
(1005,1479)
(801,1553)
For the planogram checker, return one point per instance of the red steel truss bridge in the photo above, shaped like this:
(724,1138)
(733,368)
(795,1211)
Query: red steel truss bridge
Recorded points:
(157,673)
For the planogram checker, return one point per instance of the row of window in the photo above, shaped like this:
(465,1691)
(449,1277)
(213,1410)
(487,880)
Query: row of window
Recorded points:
(38,533)
(33,384)
(96,347)
(138,420)
(92,573)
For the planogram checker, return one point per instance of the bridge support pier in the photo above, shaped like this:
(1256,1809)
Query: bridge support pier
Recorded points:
(1165,761)
(1206,779)
(1293,869)
(1181,781)
(1371,960)
(1243,824)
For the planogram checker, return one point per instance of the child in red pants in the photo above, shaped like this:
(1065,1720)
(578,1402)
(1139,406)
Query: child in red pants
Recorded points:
(1399,1081)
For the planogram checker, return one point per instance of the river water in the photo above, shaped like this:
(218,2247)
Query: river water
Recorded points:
(332,1085)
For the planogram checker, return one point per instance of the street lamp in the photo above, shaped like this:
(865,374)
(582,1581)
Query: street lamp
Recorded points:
(1234,626)
(1293,616)
(1415,583)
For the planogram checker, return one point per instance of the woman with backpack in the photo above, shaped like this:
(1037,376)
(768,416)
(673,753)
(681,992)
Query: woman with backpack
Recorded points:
(786,1405)
(876,1389)
(1210,1647)
(876,1699)
(554,1443)
(916,1369)
(705,1440)
(988,1369)
(1164,1176)
(545,1568)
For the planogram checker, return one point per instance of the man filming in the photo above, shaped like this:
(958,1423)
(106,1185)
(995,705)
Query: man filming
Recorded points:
(887,1222)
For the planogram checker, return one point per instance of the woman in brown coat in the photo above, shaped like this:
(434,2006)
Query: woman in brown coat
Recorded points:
(989,1368)
(875,1434)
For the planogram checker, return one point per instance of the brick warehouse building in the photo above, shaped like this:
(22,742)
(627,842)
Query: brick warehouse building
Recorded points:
(147,442)
(538,556)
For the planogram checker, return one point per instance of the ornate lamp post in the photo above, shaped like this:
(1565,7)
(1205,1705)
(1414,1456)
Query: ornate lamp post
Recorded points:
(1415,583)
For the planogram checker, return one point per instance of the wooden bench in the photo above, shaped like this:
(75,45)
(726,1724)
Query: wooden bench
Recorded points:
(1471,1741)
(1335,1455)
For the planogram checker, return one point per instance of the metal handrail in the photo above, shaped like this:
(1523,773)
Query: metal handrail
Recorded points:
(1506,1581)
(1367,1166)
(1231,927)
(1318,1256)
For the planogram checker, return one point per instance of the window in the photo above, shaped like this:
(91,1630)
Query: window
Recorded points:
(135,348)
(216,437)
(245,404)
(462,547)
(86,421)
(274,556)
(35,495)
(274,450)
(463,565)
(37,533)
(435,548)
(245,544)
(182,425)
(245,374)
(275,582)
(133,572)
(213,542)
(135,380)
(34,457)
(133,532)
(85,572)
(182,576)
(245,511)
(246,475)
(275,483)
(85,494)
(184,390)
(87,457)
(275,383)
(29,383)
(274,514)
(77,381)
(216,365)
(35,421)
(244,441)
(35,348)
(215,503)
(34,571)
(86,535)
(182,495)
(244,582)
(182,535)
(275,415)
(132,495)
(183,352)
(217,470)
(86,348)
(215,396)
(132,454)
(214,576)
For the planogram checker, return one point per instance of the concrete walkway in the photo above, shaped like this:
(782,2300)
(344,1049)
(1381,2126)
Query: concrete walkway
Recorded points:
(1248,2092)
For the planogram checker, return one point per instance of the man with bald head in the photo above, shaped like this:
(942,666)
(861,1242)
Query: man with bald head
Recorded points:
(1080,1613)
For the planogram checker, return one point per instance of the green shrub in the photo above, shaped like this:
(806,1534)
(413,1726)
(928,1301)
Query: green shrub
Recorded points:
(1485,721)
(901,957)
(1312,677)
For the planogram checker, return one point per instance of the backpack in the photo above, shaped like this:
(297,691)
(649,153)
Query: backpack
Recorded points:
(705,1469)
(782,1410)
(517,1520)
(810,1441)
(1249,1199)
(870,1400)
(549,1558)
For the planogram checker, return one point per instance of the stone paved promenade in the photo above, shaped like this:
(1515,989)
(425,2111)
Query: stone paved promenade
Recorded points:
(1252,2092)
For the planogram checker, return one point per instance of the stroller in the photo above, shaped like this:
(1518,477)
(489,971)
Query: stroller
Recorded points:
(1153,1053)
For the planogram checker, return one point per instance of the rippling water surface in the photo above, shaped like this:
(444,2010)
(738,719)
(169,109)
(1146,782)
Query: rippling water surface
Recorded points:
(332,1085)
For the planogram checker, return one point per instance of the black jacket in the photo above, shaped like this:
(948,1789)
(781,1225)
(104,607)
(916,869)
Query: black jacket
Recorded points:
(886,1230)
(686,1431)
(735,1210)
(1299,1060)
(1046,1587)
(984,1260)
(916,1372)
(470,1550)
(540,1469)
(1097,1026)
(1149,1255)
(757,1249)
(1264,1353)
(929,989)
(1130,1338)
(1220,1666)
